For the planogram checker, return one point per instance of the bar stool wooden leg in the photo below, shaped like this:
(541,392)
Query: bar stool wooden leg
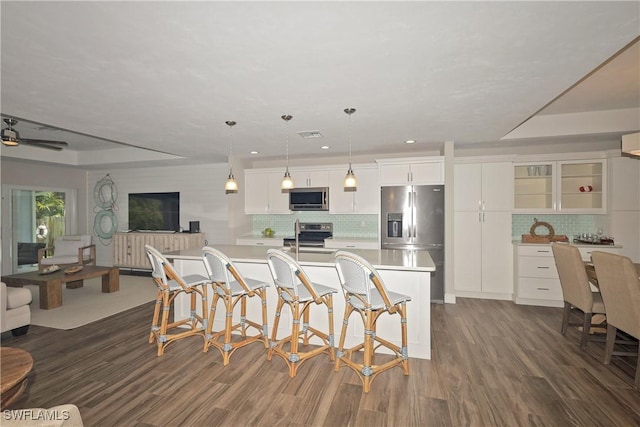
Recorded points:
(348,309)
(332,344)
(156,318)
(265,325)
(212,316)
(274,332)
(405,343)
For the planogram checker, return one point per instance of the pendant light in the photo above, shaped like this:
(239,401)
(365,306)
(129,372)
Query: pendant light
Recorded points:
(287,181)
(231,185)
(350,182)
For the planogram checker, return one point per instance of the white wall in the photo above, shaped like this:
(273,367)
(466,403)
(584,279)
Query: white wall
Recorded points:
(202,198)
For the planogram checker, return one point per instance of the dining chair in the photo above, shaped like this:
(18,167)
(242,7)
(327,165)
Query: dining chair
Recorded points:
(576,290)
(170,284)
(299,293)
(620,286)
(230,287)
(366,294)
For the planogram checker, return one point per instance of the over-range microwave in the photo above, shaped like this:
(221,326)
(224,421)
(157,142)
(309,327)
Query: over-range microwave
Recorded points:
(309,199)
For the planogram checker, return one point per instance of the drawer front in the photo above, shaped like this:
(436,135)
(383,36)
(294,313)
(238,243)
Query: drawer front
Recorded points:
(586,252)
(260,242)
(541,251)
(543,267)
(531,287)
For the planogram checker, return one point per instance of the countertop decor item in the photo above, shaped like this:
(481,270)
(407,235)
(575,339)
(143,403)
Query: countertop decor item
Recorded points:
(50,269)
(72,270)
(268,232)
(534,237)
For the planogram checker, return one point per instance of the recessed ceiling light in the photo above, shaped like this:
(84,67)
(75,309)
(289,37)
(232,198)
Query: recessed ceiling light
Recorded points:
(325,147)
(307,134)
(253,152)
(410,141)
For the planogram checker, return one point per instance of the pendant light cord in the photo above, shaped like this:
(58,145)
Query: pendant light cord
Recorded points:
(230,123)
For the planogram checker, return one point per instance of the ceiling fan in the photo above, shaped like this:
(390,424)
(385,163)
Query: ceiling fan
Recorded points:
(11,138)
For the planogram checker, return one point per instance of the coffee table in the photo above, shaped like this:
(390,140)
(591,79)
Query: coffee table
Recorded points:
(15,365)
(51,284)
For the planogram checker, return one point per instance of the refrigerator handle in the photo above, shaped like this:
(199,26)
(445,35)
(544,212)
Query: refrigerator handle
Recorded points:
(410,199)
(414,214)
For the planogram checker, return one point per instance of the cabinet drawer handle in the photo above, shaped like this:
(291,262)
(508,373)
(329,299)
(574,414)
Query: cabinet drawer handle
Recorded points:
(545,268)
(542,252)
(259,243)
(543,289)
(351,246)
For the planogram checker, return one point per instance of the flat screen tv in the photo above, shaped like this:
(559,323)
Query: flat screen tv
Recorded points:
(154,211)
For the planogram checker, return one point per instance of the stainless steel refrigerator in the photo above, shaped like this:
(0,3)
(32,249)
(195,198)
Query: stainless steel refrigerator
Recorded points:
(412,217)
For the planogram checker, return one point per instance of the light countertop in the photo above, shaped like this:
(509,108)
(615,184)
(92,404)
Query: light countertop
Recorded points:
(580,245)
(382,259)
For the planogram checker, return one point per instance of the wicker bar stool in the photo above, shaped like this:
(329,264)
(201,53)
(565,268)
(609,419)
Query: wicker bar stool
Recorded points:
(230,287)
(366,294)
(171,284)
(296,290)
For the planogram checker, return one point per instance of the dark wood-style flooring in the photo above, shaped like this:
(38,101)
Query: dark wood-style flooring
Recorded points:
(493,363)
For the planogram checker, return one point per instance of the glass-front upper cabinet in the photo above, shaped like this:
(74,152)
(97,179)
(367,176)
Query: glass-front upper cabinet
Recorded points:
(534,187)
(582,186)
(576,186)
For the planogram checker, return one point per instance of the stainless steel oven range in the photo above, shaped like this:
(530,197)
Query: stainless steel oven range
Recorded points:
(312,234)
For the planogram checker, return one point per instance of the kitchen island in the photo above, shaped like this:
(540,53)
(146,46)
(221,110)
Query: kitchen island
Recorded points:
(403,271)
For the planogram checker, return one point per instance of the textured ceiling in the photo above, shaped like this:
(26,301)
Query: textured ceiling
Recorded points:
(165,76)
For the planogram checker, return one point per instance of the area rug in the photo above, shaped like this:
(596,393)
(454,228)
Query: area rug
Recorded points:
(88,304)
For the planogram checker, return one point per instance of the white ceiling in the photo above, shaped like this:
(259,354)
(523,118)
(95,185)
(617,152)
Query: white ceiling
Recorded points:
(165,76)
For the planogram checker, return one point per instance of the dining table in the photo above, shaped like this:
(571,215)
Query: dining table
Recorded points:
(591,272)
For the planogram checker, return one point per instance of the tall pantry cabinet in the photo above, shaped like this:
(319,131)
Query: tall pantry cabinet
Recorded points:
(624,204)
(483,252)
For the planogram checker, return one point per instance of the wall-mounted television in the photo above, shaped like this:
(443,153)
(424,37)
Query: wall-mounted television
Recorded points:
(154,211)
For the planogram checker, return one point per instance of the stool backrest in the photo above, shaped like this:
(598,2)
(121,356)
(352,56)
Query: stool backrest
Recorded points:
(358,277)
(162,270)
(217,265)
(283,270)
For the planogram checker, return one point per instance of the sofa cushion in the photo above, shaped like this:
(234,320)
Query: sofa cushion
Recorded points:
(17,297)
(67,247)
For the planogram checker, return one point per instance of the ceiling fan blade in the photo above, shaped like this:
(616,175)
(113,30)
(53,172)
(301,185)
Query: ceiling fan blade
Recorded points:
(44,143)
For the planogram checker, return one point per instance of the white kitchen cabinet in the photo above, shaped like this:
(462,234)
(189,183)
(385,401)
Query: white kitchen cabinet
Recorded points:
(624,204)
(274,242)
(262,193)
(483,252)
(351,243)
(365,200)
(536,277)
(569,186)
(411,171)
(309,178)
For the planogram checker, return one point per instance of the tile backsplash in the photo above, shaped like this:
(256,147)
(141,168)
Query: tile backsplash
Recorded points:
(569,225)
(366,226)
(363,226)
